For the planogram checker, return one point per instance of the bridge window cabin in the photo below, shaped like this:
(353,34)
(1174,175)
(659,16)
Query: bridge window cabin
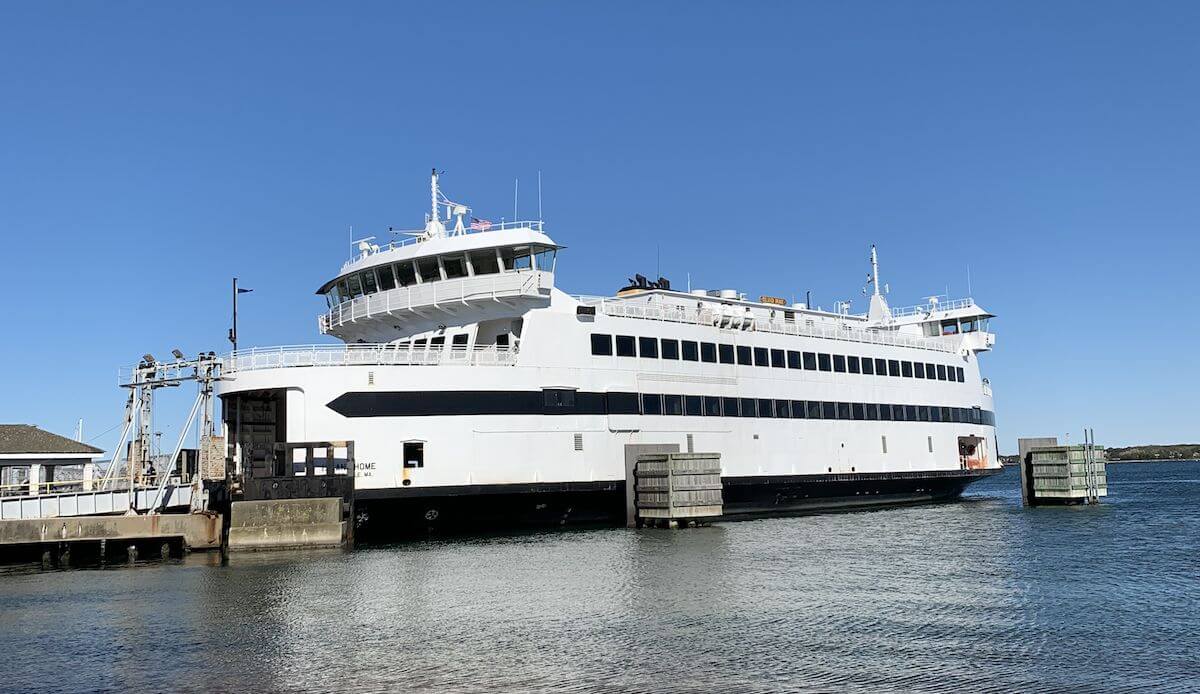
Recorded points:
(435,268)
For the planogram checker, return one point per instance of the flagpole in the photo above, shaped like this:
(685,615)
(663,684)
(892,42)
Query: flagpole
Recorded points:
(233,331)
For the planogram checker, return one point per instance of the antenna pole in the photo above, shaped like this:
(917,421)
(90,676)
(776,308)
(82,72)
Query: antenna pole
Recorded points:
(539,195)
(433,190)
(874,270)
(968,281)
(516,185)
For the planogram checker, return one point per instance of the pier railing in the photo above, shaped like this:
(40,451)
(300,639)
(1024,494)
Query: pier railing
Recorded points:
(365,355)
(747,322)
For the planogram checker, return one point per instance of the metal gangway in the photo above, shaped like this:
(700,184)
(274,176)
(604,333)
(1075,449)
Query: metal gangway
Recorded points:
(175,497)
(128,485)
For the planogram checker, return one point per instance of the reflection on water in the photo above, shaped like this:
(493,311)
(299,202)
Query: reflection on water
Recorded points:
(976,595)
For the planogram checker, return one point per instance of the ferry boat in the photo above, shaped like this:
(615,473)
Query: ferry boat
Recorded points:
(477,393)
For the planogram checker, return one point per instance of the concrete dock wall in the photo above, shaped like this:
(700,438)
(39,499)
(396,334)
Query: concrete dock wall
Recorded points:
(198,531)
(286,523)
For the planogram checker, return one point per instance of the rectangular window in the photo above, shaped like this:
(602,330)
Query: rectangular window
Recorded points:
(744,355)
(673,404)
(670,349)
(906,369)
(414,454)
(814,409)
(652,403)
(386,279)
(828,410)
(405,274)
(910,413)
(484,262)
(799,409)
(437,341)
(839,363)
(881,367)
(852,364)
(872,411)
(858,410)
(459,340)
(868,366)
(623,403)
(601,345)
(455,266)
(885,413)
(930,371)
(355,285)
(893,367)
(625,346)
(923,413)
(708,352)
(777,359)
(726,353)
(428,269)
(748,408)
(843,410)
(691,351)
(543,259)
(516,258)
(824,363)
(935,414)
(729,407)
(919,370)
(793,359)
(712,406)
(810,361)
(502,340)
(556,398)
(783,409)
(941,372)
(766,407)
(693,405)
(648,347)
(961,376)
(762,357)
(368,282)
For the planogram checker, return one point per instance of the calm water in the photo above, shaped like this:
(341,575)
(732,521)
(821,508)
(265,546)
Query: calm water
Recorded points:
(976,595)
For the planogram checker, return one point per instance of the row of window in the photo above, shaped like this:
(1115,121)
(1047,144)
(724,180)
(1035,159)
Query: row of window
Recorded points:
(488,261)
(745,355)
(714,406)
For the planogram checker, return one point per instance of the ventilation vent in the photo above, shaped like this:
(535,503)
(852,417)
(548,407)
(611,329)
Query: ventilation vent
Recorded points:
(690,444)
(884,440)
(579,442)
(930,444)
(370,378)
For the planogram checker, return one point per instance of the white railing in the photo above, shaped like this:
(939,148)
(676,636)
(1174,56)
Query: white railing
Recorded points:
(930,308)
(414,238)
(365,355)
(746,322)
(459,291)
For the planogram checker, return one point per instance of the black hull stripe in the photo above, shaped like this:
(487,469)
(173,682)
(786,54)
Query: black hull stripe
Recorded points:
(440,403)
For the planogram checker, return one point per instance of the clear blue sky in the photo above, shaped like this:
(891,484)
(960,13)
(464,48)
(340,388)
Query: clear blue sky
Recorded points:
(150,151)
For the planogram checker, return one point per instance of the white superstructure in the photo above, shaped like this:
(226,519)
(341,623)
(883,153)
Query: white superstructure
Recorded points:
(466,371)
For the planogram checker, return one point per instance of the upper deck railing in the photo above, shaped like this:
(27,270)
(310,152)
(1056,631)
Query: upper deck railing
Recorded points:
(364,355)
(414,236)
(801,327)
(930,308)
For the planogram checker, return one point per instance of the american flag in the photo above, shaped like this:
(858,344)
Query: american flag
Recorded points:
(480,224)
